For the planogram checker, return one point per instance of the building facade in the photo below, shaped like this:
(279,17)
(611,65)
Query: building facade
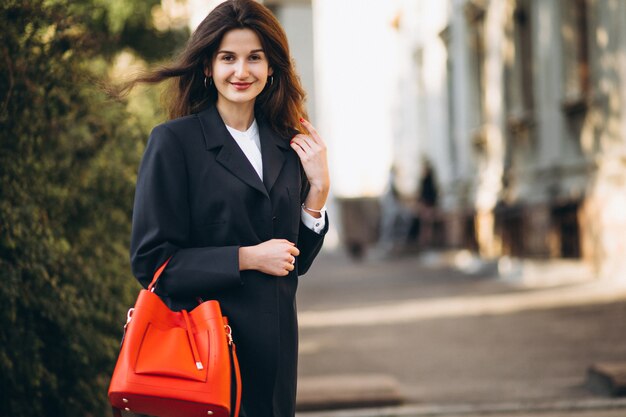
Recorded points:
(531,157)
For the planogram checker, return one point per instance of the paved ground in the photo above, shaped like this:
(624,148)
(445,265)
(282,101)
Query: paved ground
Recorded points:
(407,412)
(456,339)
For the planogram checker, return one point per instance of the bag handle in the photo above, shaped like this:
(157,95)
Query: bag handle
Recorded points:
(157,274)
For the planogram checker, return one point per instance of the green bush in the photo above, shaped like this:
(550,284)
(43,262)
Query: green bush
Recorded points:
(68,163)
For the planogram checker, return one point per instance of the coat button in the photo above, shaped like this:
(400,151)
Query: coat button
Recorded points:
(274,218)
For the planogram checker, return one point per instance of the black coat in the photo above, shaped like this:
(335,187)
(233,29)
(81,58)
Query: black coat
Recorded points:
(199,199)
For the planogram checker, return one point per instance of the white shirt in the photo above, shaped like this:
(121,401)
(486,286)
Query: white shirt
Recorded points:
(250,143)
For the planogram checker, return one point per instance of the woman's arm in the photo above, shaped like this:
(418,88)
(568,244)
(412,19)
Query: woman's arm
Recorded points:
(311,150)
(309,243)
(160,228)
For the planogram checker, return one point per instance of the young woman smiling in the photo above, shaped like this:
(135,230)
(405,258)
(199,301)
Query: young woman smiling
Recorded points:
(233,188)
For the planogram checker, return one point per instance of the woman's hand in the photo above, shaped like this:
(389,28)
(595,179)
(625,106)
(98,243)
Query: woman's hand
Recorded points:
(312,152)
(274,257)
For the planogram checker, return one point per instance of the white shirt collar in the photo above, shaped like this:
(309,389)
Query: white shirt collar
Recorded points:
(250,143)
(249,134)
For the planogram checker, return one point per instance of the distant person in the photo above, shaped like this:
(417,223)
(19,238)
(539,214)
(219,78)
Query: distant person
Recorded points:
(427,205)
(234,188)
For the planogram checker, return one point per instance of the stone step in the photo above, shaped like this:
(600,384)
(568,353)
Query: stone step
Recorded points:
(347,391)
(607,378)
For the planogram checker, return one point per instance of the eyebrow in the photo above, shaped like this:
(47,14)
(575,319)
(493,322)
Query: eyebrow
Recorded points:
(230,52)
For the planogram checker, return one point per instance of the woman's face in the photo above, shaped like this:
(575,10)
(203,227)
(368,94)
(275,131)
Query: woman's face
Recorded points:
(240,67)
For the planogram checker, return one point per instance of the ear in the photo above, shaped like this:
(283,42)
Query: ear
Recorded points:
(270,71)
(207,68)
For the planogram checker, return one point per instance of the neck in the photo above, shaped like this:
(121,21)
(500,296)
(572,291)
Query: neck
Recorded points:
(238,116)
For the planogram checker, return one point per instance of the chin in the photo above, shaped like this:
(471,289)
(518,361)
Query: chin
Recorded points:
(242,98)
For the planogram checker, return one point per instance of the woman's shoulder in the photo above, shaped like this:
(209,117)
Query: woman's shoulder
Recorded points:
(179,125)
(176,135)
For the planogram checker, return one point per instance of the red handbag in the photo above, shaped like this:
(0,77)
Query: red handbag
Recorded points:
(175,364)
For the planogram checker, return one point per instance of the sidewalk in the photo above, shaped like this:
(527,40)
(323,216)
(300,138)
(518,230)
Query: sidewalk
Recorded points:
(574,408)
(459,343)
(589,293)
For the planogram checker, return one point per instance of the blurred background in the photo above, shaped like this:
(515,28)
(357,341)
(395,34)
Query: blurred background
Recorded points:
(476,259)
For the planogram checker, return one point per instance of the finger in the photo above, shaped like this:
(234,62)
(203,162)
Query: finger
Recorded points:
(305,142)
(290,267)
(315,146)
(294,251)
(316,137)
(306,153)
(289,257)
(301,153)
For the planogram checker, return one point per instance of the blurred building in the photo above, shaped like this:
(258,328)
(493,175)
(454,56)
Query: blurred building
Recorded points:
(519,105)
(524,119)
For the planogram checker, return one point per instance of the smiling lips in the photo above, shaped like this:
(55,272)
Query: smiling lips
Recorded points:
(241,86)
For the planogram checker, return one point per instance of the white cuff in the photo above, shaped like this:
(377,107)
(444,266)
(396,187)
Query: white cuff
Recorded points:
(317,225)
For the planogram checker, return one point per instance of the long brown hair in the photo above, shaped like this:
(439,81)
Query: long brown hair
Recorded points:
(281,102)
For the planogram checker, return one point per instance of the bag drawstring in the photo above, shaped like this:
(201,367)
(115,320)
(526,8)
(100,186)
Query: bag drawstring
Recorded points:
(192,341)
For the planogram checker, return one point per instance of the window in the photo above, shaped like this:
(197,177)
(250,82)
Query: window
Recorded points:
(519,79)
(574,32)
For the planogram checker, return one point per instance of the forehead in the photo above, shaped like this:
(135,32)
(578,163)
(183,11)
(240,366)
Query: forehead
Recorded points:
(243,40)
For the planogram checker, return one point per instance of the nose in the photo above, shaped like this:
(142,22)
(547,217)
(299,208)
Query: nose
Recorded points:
(241,69)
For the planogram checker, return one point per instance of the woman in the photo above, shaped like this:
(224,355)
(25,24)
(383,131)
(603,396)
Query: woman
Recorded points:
(235,194)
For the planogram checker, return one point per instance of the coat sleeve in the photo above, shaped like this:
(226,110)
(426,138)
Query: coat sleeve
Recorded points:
(161,227)
(309,242)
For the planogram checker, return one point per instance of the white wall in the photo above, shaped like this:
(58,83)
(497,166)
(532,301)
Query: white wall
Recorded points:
(355,72)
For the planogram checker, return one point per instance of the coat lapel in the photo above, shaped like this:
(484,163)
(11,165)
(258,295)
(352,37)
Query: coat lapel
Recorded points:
(272,152)
(230,155)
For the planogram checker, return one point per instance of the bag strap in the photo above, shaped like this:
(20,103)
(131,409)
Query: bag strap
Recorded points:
(157,274)
(233,353)
(234,368)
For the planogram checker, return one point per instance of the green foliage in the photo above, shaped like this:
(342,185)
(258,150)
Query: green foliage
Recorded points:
(68,162)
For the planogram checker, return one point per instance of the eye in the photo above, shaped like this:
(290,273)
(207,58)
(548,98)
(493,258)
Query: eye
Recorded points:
(228,58)
(256,57)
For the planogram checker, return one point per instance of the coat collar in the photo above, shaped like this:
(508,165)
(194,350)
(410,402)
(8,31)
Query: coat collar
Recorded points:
(230,155)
